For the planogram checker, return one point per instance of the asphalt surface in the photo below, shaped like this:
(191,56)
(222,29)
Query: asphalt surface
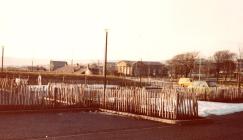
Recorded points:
(102,126)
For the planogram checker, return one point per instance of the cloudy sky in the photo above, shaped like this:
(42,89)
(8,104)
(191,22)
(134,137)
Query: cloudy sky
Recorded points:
(138,29)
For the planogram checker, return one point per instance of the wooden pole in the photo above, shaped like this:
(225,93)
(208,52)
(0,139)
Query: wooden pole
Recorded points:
(105,63)
(239,72)
(140,73)
(2,56)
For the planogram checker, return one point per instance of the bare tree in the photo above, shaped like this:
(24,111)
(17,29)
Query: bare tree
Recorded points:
(224,62)
(211,69)
(182,64)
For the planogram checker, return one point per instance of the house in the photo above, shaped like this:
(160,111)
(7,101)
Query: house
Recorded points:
(77,69)
(125,67)
(111,68)
(154,69)
(57,64)
(97,68)
(36,68)
(65,69)
(141,68)
(92,69)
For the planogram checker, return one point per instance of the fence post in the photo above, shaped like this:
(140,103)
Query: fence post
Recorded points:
(55,96)
(177,105)
(205,95)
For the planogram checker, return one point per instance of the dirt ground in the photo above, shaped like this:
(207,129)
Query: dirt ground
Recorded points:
(102,126)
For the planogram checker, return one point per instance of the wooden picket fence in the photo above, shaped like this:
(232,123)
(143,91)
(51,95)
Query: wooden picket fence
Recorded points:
(219,94)
(161,103)
(229,94)
(159,84)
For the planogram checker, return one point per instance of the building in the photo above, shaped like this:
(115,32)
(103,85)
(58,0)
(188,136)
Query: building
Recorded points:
(57,64)
(125,67)
(111,68)
(65,69)
(141,68)
(239,65)
(92,69)
(154,69)
(36,68)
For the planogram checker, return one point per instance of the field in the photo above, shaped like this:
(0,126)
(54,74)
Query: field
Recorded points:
(68,78)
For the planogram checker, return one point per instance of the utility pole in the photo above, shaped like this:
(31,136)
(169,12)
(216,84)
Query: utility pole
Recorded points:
(72,58)
(32,65)
(105,62)
(239,71)
(2,56)
(140,73)
(98,63)
(200,61)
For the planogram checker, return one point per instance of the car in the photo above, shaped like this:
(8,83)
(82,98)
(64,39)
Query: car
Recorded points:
(185,82)
(212,82)
(203,86)
(199,84)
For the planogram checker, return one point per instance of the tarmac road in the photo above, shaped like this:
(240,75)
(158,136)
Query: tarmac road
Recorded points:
(101,126)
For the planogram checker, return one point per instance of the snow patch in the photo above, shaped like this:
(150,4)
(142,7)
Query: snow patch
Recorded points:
(215,108)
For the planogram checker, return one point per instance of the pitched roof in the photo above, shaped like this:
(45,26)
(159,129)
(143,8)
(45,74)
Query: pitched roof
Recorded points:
(128,62)
(69,68)
(54,62)
(152,63)
(65,69)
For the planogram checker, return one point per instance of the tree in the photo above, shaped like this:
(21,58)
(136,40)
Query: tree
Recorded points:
(224,63)
(211,69)
(182,64)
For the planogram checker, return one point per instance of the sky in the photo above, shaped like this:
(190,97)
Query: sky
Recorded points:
(153,30)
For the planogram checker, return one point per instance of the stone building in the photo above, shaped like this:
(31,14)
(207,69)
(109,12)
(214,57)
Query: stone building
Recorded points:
(57,64)
(141,68)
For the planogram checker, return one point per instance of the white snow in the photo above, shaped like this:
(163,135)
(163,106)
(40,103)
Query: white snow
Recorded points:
(216,108)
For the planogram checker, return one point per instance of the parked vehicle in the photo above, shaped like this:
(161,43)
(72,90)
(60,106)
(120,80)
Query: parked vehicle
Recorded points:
(199,84)
(212,82)
(203,86)
(185,82)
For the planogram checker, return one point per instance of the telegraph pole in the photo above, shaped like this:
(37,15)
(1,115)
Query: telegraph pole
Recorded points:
(239,72)
(105,62)
(140,73)
(2,56)
(32,65)
(200,61)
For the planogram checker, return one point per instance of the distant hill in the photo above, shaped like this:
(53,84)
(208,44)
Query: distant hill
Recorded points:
(16,62)
(11,61)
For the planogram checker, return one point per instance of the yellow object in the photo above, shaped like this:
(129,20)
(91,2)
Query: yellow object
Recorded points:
(185,82)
